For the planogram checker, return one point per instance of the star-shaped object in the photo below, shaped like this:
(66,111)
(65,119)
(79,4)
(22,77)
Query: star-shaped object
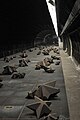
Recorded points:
(31,93)
(46,62)
(50,60)
(40,107)
(30,50)
(8,70)
(55,57)
(49,70)
(23,63)
(6,59)
(18,75)
(45,52)
(23,55)
(57,63)
(58,52)
(39,65)
(45,91)
(50,117)
(27,60)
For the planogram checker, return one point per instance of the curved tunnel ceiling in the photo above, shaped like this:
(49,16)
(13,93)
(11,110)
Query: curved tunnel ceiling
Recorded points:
(45,37)
(63,9)
(22,20)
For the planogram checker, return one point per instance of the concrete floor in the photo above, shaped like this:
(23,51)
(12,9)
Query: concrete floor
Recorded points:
(72,83)
(13,93)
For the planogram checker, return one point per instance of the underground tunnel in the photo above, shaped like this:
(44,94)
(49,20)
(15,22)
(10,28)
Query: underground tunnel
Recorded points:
(40,60)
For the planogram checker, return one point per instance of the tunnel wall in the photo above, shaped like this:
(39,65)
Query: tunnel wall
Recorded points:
(76,45)
(70,33)
(20,22)
(75,41)
(67,45)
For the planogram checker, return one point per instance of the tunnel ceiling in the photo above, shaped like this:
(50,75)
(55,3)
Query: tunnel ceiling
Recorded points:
(63,9)
(22,20)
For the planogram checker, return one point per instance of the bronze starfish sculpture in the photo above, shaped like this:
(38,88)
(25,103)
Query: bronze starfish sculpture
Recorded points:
(40,107)
(44,91)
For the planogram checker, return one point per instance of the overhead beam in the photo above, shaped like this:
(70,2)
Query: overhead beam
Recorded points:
(74,13)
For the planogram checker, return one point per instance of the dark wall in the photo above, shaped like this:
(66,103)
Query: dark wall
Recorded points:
(75,37)
(21,21)
(69,18)
(75,41)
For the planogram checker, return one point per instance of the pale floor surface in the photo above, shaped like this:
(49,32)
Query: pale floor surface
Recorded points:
(72,83)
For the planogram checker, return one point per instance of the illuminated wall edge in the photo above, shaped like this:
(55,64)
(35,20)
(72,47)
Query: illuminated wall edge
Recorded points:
(52,12)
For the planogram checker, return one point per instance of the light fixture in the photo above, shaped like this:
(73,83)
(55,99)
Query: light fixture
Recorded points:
(52,2)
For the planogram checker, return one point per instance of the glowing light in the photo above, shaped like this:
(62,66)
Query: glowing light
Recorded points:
(52,12)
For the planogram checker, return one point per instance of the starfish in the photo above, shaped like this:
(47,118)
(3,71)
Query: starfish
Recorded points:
(49,70)
(57,63)
(31,93)
(6,59)
(46,61)
(30,50)
(39,65)
(45,52)
(8,70)
(55,57)
(40,107)
(50,60)
(23,55)
(45,91)
(17,75)
(22,63)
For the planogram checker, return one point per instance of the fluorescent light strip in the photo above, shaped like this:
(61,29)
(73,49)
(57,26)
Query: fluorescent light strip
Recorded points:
(52,12)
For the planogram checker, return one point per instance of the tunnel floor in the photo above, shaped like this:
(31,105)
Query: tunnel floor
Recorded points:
(13,92)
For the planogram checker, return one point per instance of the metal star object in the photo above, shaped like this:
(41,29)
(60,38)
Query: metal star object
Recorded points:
(17,75)
(45,91)
(57,63)
(8,70)
(40,107)
(31,93)
(49,70)
(22,63)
